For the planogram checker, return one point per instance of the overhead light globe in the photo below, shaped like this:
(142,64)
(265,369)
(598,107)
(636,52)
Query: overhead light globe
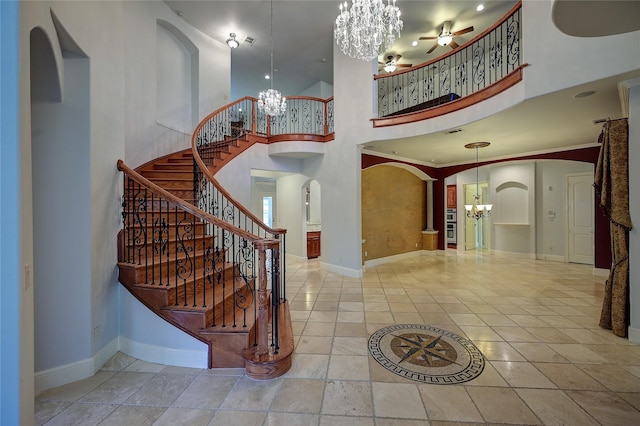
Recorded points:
(444,40)
(232,42)
(390,67)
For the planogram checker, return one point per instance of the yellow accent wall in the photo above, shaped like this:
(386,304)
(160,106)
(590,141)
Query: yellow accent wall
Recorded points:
(393,212)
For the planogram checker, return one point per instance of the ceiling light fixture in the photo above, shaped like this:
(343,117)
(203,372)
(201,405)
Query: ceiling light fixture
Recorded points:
(444,39)
(271,101)
(477,210)
(232,42)
(390,66)
(480,8)
(368,29)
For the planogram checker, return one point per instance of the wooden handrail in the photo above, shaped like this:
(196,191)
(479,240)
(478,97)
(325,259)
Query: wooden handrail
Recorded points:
(190,208)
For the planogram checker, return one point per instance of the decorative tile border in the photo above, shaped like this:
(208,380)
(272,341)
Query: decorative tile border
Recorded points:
(426,354)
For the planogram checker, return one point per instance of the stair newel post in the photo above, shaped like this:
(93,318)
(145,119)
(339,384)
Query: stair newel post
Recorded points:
(262,330)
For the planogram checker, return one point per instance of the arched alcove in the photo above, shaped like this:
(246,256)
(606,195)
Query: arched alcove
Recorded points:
(61,204)
(177,71)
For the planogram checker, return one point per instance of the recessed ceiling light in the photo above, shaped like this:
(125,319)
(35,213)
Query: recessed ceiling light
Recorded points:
(394,152)
(480,7)
(584,94)
(414,43)
(267,76)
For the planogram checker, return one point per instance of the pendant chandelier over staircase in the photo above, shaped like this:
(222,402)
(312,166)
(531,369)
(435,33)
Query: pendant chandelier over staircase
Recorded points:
(271,101)
(368,29)
(477,210)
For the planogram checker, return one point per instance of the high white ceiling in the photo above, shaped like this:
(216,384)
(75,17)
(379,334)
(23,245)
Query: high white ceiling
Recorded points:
(303,50)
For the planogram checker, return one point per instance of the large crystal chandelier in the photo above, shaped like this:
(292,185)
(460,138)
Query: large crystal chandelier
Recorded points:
(477,210)
(368,29)
(271,101)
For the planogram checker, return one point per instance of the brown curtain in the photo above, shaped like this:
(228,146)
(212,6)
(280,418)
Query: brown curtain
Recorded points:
(612,183)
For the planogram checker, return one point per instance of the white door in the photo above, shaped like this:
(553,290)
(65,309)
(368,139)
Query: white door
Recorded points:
(580,217)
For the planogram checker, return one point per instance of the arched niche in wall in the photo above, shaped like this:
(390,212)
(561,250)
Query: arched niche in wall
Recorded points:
(177,77)
(512,202)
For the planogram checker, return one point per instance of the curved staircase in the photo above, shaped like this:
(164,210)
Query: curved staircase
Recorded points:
(174,263)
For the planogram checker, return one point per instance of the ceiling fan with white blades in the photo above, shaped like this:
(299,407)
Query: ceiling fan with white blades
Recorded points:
(391,64)
(445,38)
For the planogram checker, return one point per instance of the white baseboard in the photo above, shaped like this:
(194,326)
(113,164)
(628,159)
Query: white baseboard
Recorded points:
(634,334)
(551,258)
(162,355)
(351,273)
(514,254)
(383,260)
(74,371)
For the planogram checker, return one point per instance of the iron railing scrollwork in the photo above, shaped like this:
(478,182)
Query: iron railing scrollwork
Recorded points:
(468,69)
(206,262)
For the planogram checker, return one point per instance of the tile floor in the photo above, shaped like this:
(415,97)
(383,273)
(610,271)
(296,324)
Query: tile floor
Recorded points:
(536,323)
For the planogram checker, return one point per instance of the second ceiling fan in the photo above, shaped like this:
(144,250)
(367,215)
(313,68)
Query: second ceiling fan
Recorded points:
(445,38)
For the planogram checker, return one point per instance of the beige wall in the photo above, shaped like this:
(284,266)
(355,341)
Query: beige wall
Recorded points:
(393,211)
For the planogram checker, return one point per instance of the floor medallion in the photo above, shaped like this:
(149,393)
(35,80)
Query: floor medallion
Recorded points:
(426,354)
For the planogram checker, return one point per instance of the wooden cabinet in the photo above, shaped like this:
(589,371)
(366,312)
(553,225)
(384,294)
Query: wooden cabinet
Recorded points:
(313,244)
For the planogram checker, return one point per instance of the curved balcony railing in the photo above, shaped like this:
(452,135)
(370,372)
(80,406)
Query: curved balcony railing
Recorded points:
(469,70)
(304,116)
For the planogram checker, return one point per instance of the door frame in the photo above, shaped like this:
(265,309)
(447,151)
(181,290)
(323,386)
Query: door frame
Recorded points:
(567,255)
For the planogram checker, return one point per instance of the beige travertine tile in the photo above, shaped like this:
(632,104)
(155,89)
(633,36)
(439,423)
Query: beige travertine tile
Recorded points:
(76,390)
(348,367)
(308,366)
(238,418)
(351,330)
(193,417)
(130,415)
(350,317)
(450,403)
(605,407)
(118,388)
(314,345)
(512,409)
(299,396)
(161,391)
(480,333)
(577,353)
(323,316)
(497,319)
(568,376)
(522,374)
(251,395)
(347,398)
(613,377)
(538,352)
(346,421)
(554,407)
(499,351)
(350,346)
(397,400)
(319,329)
(206,391)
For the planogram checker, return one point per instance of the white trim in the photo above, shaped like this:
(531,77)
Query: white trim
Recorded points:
(383,260)
(514,254)
(162,355)
(551,258)
(634,334)
(351,273)
(74,371)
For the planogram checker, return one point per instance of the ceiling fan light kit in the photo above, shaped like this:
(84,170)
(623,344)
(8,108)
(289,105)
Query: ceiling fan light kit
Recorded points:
(446,37)
(368,28)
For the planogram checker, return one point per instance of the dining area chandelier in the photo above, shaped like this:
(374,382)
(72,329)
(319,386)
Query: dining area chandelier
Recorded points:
(271,101)
(367,29)
(477,210)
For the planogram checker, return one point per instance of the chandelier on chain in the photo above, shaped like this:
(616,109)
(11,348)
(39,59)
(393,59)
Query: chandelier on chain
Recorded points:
(368,29)
(271,101)
(477,210)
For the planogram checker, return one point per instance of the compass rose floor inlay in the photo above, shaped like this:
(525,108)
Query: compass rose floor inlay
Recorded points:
(426,354)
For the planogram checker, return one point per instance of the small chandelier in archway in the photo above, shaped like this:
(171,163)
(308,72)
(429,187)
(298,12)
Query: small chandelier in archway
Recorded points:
(477,210)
